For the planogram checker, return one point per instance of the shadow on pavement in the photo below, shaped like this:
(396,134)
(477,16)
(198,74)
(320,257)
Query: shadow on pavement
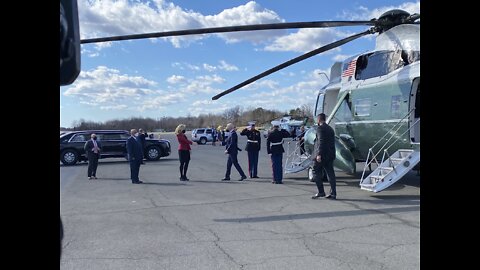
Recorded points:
(163,184)
(323,214)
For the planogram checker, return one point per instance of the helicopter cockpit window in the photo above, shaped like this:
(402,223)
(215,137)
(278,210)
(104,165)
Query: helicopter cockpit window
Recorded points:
(344,113)
(319,107)
(383,62)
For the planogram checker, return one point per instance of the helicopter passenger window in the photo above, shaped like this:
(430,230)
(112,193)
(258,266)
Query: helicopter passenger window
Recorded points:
(362,107)
(383,62)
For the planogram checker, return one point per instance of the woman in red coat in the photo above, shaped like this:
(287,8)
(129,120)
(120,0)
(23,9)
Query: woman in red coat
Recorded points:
(183,151)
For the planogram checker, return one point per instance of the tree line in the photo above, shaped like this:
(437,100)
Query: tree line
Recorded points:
(236,115)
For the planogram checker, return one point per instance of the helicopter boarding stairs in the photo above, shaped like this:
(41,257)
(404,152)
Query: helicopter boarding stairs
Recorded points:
(295,162)
(392,167)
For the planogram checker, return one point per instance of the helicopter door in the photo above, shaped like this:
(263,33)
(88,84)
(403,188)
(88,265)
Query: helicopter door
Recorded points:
(415,116)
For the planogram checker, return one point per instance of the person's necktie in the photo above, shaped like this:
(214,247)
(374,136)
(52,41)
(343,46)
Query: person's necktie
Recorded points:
(95,147)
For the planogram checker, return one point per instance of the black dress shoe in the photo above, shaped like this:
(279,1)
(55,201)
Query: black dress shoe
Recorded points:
(255,177)
(186,179)
(278,183)
(316,196)
(181,178)
(243,178)
(331,197)
(226,179)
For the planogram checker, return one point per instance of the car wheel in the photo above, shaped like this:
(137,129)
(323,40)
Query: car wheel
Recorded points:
(203,140)
(69,157)
(153,153)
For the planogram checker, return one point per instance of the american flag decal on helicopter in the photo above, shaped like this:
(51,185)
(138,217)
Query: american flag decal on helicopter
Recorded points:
(349,69)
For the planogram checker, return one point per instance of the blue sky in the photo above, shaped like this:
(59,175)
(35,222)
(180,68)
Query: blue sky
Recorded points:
(178,76)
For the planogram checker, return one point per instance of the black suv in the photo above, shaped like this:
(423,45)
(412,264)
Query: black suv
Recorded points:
(113,145)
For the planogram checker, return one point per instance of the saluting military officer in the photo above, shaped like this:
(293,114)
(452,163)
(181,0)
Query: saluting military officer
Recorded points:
(275,150)
(253,147)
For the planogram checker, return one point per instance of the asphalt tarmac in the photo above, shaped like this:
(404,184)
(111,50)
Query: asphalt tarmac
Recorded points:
(205,223)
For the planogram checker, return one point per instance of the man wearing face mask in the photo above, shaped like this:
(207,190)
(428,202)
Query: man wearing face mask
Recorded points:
(134,153)
(231,148)
(92,148)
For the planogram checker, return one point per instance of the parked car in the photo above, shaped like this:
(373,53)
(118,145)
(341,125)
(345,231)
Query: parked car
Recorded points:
(202,135)
(113,145)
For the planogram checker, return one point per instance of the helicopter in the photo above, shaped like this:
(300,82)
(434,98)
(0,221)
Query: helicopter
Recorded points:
(368,95)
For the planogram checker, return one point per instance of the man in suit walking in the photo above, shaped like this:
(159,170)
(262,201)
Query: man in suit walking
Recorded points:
(323,156)
(275,150)
(231,147)
(92,149)
(134,154)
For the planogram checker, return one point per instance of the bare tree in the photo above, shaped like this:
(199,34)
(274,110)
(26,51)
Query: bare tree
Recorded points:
(307,110)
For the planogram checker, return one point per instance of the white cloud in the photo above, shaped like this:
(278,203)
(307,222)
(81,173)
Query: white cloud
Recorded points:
(208,106)
(261,85)
(306,40)
(177,65)
(209,67)
(184,66)
(192,67)
(162,101)
(363,13)
(295,95)
(121,17)
(114,107)
(225,66)
(174,79)
(340,57)
(222,66)
(202,84)
(250,13)
(104,85)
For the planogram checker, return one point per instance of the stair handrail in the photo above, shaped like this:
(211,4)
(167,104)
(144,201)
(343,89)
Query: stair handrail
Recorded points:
(370,150)
(408,129)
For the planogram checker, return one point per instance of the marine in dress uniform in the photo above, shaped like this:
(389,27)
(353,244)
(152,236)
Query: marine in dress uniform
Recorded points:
(254,141)
(275,150)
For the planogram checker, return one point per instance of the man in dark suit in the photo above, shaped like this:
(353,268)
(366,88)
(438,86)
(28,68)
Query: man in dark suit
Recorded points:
(275,150)
(92,148)
(134,154)
(231,148)
(141,138)
(323,156)
(254,140)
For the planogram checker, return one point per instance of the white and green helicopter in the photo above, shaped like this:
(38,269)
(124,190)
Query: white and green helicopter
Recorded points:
(372,100)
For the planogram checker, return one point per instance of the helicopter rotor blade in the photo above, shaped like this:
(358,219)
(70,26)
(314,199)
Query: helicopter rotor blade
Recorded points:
(253,27)
(296,60)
